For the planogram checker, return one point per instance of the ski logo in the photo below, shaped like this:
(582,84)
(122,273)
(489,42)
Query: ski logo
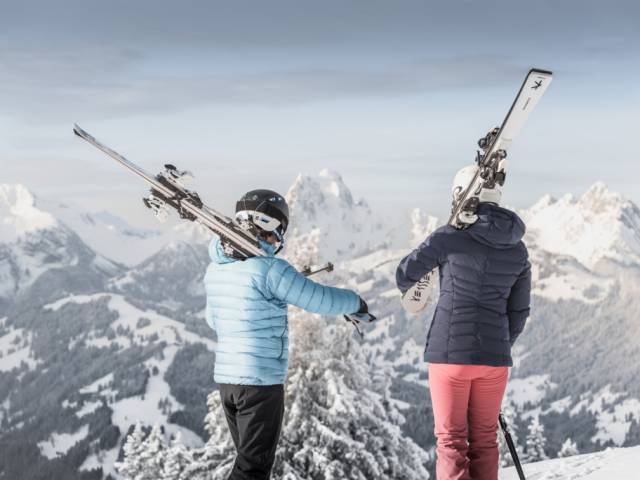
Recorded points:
(537,85)
(420,287)
(420,294)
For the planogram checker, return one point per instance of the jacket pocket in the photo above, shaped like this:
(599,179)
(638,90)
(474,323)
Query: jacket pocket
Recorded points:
(284,332)
(281,348)
(433,321)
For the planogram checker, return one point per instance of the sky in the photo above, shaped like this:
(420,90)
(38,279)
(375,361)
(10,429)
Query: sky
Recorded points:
(247,94)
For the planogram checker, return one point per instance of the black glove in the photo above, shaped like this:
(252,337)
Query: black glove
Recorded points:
(364,308)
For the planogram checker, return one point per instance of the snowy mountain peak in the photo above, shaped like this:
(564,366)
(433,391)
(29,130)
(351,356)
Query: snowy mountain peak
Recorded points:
(314,200)
(336,185)
(599,199)
(324,214)
(325,189)
(19,213)
(545,201)
(600,224)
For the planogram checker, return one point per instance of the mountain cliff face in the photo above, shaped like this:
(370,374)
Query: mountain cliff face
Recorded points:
(327,222)
(89,345)
(40,257)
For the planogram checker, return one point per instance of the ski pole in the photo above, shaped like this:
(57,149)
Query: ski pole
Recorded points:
(512,447)
(355,325)
(356,318)
(307,272)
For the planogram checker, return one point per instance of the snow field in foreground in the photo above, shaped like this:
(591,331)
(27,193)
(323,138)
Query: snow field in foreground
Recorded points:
(610,464)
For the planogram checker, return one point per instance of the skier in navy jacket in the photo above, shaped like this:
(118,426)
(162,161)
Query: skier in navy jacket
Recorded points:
(485,283)
(247,307)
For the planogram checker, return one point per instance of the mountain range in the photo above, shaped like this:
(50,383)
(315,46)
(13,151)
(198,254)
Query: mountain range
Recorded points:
(102,325)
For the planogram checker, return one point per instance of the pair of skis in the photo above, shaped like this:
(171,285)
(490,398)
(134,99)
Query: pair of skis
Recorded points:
(491,170)
(168,191)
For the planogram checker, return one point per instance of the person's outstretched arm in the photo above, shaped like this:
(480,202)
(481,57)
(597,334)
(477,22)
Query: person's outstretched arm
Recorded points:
(288,285)
(518,304)
(421,261)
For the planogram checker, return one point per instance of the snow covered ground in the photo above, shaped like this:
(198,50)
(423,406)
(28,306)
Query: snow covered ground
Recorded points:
(610,464)
(528,390)
(15,349)
(59,443)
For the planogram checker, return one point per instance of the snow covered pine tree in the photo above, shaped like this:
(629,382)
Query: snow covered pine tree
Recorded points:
(568,449)
(132,465)
(143,457)
(536,442)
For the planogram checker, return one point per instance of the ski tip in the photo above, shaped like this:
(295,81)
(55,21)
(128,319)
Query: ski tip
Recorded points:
(541,71)
(77,129)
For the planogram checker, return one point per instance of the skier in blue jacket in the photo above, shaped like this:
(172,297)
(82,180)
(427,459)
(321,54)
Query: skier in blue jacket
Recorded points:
(485,286)
(247,307)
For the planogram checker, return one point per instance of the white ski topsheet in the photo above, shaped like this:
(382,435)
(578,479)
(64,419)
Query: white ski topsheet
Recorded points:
(534,86)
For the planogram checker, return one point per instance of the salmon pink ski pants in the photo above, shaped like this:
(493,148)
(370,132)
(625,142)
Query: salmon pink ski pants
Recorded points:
(466,402)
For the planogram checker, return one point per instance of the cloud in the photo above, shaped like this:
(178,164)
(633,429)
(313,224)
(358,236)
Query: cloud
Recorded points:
(77,59)
(108,83)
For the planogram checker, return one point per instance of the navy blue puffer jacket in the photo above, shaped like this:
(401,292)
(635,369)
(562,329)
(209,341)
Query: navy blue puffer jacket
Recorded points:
(485,286)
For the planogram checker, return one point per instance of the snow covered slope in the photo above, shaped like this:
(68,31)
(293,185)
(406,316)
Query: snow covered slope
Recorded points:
(171,278)
(610,464)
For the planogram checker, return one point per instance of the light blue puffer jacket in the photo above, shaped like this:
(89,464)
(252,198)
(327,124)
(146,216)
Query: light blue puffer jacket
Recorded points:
(247,307)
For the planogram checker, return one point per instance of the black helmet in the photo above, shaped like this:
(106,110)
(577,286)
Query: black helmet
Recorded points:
(265,209)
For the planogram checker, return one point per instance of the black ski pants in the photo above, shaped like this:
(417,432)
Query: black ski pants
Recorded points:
(254,415)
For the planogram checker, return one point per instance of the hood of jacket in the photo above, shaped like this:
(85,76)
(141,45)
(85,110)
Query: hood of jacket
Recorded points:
(217,254)
(497,227)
